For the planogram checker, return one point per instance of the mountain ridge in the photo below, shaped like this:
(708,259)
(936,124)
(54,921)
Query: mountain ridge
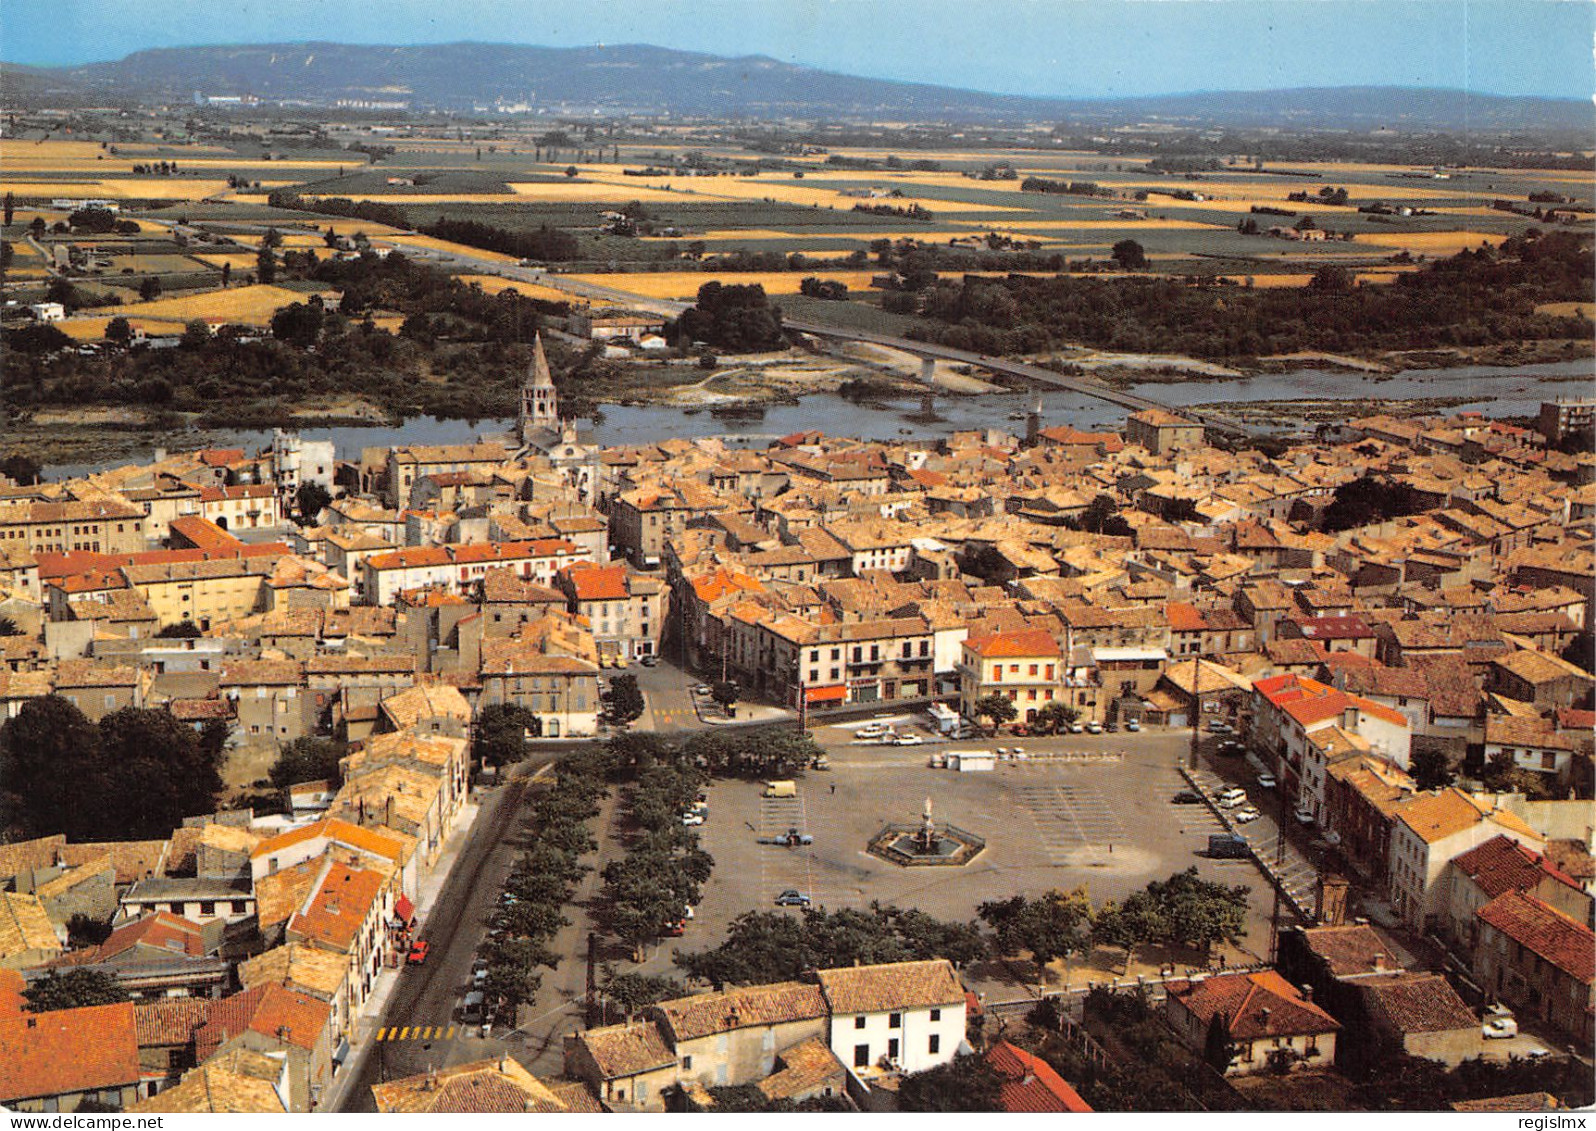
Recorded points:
(642,78)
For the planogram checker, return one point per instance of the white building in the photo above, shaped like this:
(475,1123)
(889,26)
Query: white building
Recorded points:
(898,1016)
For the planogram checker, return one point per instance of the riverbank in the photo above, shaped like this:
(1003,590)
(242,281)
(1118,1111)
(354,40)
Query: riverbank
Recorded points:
(1312,412)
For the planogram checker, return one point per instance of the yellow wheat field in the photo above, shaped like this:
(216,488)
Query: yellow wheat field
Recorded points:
(431,244)
(1117,225)
(1568,309)
(127,188)
(684,284)
(1436,243)
(238,260)
(251,305)
(493,284)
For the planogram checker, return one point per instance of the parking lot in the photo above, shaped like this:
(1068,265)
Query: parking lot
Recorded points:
(1110,824)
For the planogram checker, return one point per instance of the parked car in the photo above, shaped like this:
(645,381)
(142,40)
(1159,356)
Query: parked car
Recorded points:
(1016,751)
(418,953)
(1187,797)
(1133,726)
(1217,727)
(701,689)
(871,730)
(1246,813)
(649,661)
(909,740)
(792,897)
(1499,1028)
(1229,798)
(1094,728)
(1267,781)
(673,930)
(691,819)
(1304,817)
(1077,728)
(1111,728)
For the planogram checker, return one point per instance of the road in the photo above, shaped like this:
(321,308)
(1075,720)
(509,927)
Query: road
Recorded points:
(423,1008)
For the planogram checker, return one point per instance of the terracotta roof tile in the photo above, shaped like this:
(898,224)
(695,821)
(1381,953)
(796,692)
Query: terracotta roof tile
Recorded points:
(891,986)
(68,1050)
(685,1018)
(1030,1084)
(1566,944)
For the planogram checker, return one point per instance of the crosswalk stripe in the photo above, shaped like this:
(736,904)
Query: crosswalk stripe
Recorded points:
(382,1034)
(450,1035)
(405,1036)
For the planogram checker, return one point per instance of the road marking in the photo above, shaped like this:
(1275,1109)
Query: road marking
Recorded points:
(382,1034)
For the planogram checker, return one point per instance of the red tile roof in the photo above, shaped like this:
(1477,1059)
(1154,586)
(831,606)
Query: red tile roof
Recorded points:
(270,1010)
(68,1050)
(597,583)
(1566,944)
(1503,865)
(1030,1084)
(1258,1005)
(1026,642)
(160,930)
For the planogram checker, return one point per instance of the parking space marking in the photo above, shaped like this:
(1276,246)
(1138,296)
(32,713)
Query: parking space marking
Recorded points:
(1070,817)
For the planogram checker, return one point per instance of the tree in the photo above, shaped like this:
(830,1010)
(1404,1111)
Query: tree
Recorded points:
(9,626)
(634,991)
(737,318)
(501,733)
(23,469)
(310,500)
(1054,717)
(10,209)
(155,775)
(1101,516)
(298,323)
(626,699)
(1130,255)
(1431,769)
(309,759)
(119,330)
(180,630)
(1218,1049)
(725,692)
(72,990)
(265,264)
(196,333)
(1504,775)
(227,273)
(83,931)
(1331,279)
(150,289)
(965,1083)
(49,765)
(997,707)
(1054,926)
(1183,910)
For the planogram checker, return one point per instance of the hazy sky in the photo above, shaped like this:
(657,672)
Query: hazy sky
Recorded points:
(1042,47)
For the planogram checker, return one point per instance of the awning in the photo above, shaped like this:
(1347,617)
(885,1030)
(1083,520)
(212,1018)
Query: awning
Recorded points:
(826,694)
(403,909)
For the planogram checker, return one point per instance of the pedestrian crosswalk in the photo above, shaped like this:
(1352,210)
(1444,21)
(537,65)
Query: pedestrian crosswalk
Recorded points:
(417,1033)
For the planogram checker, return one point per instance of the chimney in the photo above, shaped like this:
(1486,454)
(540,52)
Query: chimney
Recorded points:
(1263,1016)
(1307,991)
(1377,961)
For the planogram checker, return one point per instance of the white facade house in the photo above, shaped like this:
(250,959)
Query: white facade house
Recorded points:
(900,1016)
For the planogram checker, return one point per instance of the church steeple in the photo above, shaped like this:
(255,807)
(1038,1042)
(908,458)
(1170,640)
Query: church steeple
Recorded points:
(540,402)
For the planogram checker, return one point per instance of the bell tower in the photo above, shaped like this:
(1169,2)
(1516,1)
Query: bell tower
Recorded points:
(540,403)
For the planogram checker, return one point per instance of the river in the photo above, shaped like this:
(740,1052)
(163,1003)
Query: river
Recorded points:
(1499,392)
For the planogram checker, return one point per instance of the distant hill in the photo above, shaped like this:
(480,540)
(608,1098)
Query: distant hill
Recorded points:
(457,76)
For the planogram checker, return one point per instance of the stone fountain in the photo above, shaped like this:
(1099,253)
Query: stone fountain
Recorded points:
(926,844)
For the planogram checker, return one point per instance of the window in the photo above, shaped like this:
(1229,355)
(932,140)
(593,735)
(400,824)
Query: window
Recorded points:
(207,907)
(892,1049)
(858,1022)
(687,1064)
(934,1045)
(861,1056)
(936,1015)
(1034,669)
(894,1020)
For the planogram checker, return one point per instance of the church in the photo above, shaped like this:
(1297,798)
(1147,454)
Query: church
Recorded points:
(541,432)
